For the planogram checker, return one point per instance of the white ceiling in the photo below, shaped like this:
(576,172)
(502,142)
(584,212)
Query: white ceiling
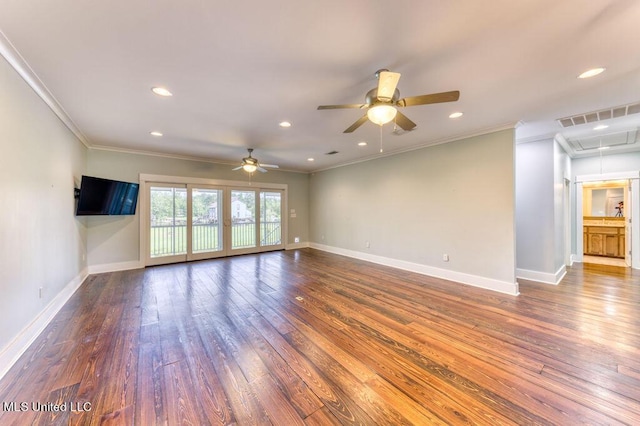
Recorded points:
(238,68)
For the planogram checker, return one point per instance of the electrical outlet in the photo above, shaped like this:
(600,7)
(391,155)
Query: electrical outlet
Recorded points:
(296,240)
(367,245)
(445,257)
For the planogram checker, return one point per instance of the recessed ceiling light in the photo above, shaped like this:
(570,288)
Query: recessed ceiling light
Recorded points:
(157,134)
(600,127)
(456,115)
(285,124)
(363,143)
(161,91)
(311,159)
(592,72)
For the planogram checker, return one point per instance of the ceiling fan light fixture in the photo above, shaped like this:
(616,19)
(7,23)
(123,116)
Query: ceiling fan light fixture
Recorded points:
(249,168)
(381,114)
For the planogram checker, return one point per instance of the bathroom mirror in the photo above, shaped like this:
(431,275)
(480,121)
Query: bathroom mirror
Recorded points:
(607,202)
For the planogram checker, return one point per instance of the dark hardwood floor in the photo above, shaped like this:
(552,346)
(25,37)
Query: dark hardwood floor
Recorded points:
(307,337)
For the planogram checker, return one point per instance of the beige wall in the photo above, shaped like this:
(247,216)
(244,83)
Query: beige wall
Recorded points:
(115,239)
(42,244)
(455,198)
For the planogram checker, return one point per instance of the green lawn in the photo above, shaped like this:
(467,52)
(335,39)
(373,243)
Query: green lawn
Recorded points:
(169,240)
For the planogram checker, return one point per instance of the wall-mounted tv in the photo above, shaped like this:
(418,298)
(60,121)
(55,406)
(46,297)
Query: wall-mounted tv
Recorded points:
(98,196)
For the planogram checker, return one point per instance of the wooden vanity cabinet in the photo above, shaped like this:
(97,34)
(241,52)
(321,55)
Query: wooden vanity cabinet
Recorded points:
(604,239)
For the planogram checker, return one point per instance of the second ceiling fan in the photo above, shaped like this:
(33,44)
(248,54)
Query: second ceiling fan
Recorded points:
(250,164)
(382,102)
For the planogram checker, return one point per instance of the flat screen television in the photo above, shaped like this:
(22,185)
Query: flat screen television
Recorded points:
(98,196)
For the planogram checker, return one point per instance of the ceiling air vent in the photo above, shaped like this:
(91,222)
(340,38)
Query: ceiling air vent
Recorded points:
(633,109)
(605,114)
(331,153)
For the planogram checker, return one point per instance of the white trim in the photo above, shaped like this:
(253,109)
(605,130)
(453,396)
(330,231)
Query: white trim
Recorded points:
(13,57)
(635,224)
(198,158)
(542,277)
(204,181)
(295,246)
(10,354)
(608,176)
(461,277)
(113,267)
(577,257)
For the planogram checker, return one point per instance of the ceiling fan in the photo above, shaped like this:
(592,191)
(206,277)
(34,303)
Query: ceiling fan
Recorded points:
(382,102)
(250,164)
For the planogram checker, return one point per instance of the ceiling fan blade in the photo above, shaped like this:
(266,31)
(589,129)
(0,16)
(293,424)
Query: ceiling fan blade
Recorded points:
(433,98)
(237,168)
(261,170)
(357,124)
(342,106)
(269,166)
(387,82)
(404,122)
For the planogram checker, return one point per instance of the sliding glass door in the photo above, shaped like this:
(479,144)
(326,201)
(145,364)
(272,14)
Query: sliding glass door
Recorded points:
(243,220)
(168,223)
(207,223)
(270,218)
(191,222)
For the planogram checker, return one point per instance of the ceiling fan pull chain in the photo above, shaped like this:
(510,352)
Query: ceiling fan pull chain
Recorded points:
(381,138)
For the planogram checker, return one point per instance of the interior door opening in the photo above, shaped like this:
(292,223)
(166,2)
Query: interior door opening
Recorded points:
(606,226)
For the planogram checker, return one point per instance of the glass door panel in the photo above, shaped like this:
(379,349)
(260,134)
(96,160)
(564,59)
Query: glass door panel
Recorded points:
(168,222)
(270,218)
(243,219)
(195,221)
(206,220)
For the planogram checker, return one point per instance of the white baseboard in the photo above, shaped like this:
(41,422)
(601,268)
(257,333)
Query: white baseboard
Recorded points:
(113,267)
(10,354)
(294,246)
(461,277)
(543,277)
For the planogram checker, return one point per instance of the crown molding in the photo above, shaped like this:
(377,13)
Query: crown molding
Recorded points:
(178,157)
(13,57)
(442,141)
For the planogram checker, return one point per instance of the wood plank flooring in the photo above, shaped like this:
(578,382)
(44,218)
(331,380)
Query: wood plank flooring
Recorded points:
(307,337)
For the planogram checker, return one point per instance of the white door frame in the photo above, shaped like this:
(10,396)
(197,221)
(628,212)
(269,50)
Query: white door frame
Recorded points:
(634,179)
(146,179)
(566,202)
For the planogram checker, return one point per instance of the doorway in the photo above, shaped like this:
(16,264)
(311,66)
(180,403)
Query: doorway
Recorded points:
(605,222)
(192,219)
(606,208)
